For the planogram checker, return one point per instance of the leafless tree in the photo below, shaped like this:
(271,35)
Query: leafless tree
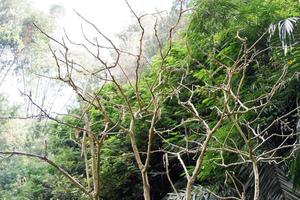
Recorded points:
(139,107)
(232,110)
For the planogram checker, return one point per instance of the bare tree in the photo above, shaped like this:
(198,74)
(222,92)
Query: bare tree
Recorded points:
(134,108)
(144,103)
(232,110)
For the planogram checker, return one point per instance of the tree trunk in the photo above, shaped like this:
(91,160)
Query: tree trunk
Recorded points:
(146,186)
(96,197)
(188,191)
(256,180)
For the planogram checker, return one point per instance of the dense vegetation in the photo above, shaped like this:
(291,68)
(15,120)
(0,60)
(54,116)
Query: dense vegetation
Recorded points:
(225,73)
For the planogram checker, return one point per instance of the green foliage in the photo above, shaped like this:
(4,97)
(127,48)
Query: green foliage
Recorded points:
(17,31)
(295,169)
(118,170)
(193,61)
(211,37)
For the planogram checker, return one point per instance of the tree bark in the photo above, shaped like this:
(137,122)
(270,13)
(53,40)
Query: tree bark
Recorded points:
(188,191)
(256,180)
(146,186)
(96,197)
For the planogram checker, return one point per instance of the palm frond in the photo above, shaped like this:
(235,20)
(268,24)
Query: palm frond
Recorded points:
(286,32)
(274,184)
(198,193)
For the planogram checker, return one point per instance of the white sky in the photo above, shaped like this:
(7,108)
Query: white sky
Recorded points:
(110,16)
